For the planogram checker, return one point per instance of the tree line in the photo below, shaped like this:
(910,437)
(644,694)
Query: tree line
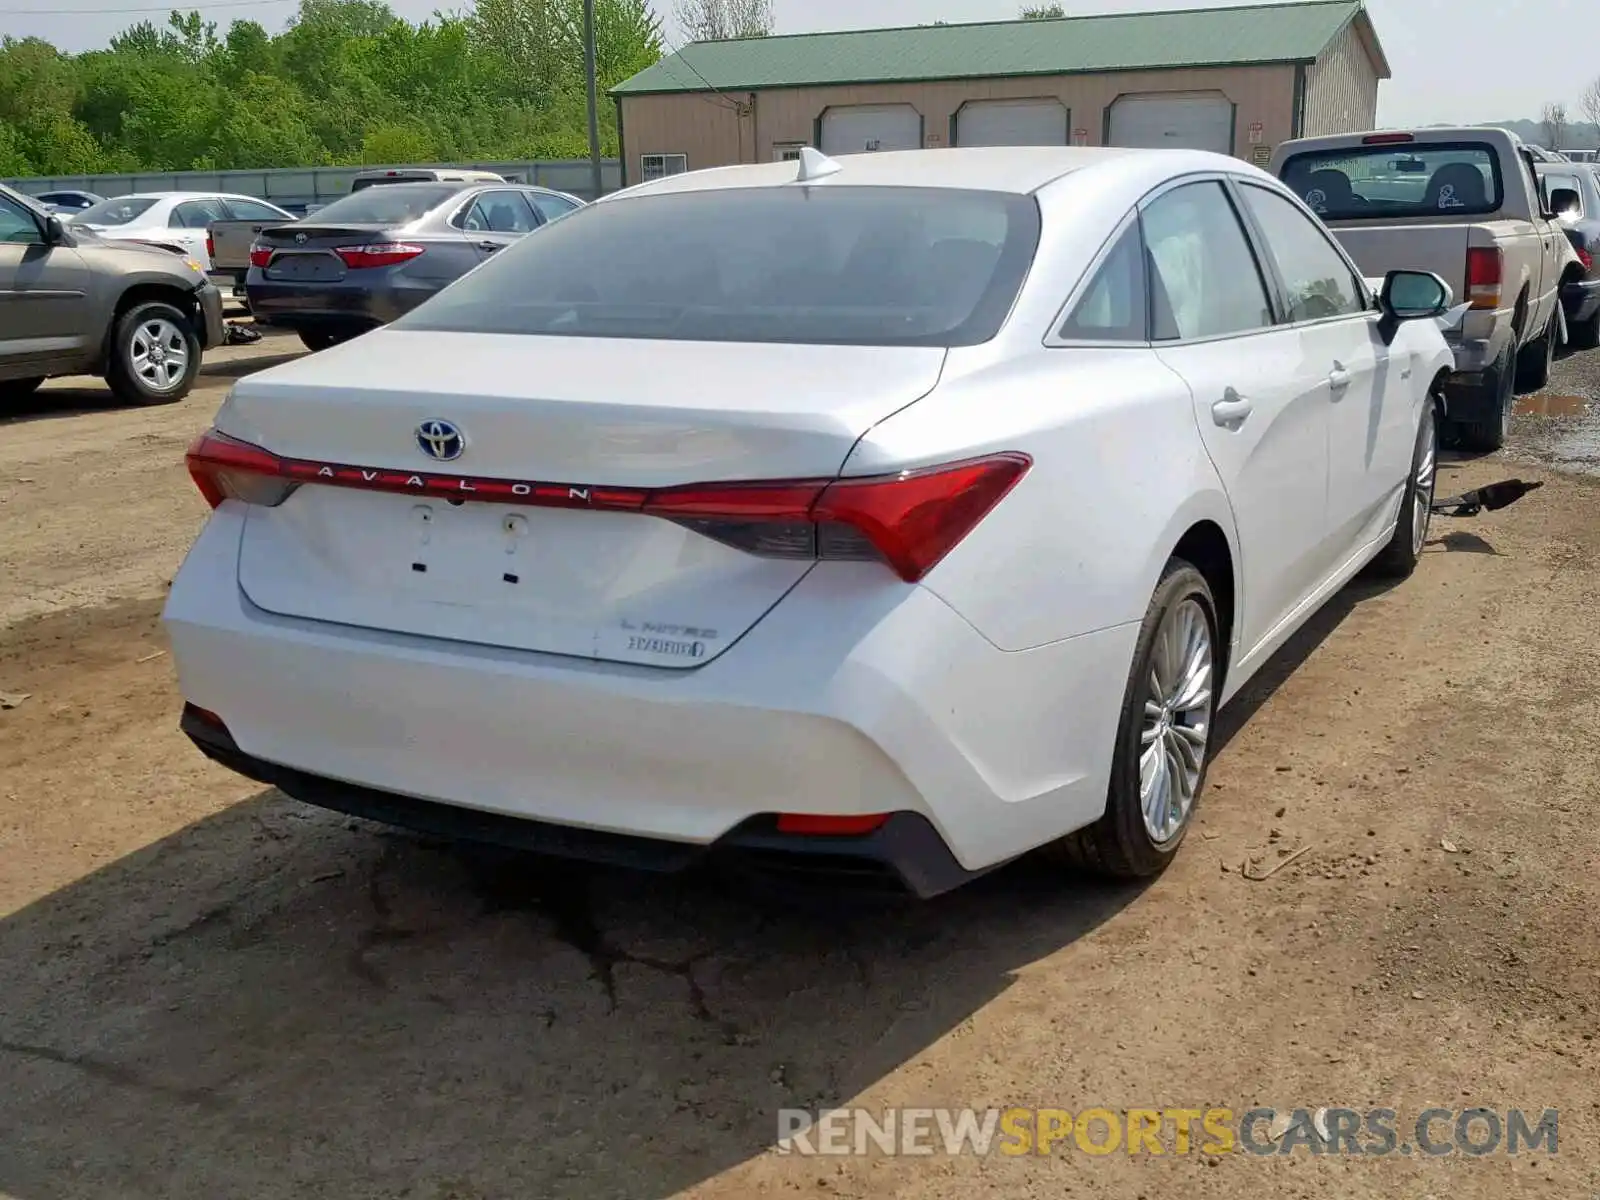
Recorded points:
(346,82)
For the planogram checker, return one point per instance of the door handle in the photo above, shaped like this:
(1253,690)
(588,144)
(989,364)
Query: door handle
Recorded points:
(489,247)
(1231,410)
(1338,378)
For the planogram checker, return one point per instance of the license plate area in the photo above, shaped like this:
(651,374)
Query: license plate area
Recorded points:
(315,267)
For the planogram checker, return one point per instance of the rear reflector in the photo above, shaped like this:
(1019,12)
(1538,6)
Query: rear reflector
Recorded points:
(1386,139)
(1485,265)
(825,826)
(377,254)
(910,520)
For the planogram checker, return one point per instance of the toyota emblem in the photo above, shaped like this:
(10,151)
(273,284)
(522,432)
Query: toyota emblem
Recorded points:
(440,440)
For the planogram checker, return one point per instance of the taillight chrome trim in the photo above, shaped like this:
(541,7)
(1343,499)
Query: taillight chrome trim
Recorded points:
(906,541)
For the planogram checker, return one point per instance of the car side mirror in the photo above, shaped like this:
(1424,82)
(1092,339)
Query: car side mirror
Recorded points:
(1565,202)
(1411,296)
(55,230)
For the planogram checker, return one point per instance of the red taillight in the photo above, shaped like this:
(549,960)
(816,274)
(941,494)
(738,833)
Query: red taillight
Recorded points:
(226,469)
(211,247)
(1386,139)
(910,520)
(260,256)
(377,254)
(1586,259)
(826,826)
(1485,265)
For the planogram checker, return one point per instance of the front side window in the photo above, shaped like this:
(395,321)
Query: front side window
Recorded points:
(1112,308)
(254,210)
(1204,280)
(883,266)
(1317,282)
(17,226)
(550,205)
(499,212)
(197,214)
(1400,179)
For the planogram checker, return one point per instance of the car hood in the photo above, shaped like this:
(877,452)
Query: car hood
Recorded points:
(133,256)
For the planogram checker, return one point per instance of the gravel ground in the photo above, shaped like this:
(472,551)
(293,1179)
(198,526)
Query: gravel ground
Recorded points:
(212,992)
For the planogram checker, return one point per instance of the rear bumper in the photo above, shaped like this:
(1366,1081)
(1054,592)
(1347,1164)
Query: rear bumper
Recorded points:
(1581,298)
(341,305)
(905,854)
(837,703)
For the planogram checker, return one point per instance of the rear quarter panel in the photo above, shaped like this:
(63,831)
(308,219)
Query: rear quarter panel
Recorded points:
(1119,475)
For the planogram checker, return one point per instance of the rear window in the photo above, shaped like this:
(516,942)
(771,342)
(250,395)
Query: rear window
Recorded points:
(388,205)
(829,265)
(1398,180)
(114,212)
(366,181)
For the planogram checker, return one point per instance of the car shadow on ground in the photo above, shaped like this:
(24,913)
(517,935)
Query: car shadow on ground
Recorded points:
(278,1001)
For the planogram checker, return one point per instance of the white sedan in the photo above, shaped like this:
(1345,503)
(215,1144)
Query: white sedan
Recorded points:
(893,518)
(177,220)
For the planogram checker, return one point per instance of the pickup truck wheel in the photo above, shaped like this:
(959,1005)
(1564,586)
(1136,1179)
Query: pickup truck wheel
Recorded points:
(155,355)
(19,389)
(1488,433)
(1534,359)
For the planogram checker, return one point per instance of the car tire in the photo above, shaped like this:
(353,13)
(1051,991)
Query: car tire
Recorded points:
(19,389)
(1489,433)
(1400,557)
(155,355)
(1534,359)
(320,339)
(1161,716)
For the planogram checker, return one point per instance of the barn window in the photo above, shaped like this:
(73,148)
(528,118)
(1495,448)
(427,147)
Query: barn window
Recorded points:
(657,166)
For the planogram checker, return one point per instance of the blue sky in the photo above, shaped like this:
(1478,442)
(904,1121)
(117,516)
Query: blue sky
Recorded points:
(1454,60)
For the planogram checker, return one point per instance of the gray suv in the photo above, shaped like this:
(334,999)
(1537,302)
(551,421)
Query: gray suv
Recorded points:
(72,303)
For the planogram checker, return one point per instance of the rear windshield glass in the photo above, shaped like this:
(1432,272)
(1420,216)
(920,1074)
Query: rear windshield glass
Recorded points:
(389,205)
(366,181)
(829,265)
(1398,180)
(113,212)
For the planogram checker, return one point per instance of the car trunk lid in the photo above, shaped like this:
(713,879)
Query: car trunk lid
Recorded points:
(575,418)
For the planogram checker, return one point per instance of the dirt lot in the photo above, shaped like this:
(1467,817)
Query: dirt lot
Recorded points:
(212,992)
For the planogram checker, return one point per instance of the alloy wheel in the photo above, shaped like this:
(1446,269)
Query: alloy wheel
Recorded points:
(1176,731)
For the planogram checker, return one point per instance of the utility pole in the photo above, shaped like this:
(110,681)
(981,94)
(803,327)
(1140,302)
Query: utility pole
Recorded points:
(594,112)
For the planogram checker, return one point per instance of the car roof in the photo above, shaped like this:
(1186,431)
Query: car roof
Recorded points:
(1016,169)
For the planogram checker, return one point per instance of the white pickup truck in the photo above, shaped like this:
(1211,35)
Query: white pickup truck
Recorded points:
(1466,205)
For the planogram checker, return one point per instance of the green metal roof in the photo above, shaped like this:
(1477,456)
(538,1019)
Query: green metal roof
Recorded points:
(1201,37)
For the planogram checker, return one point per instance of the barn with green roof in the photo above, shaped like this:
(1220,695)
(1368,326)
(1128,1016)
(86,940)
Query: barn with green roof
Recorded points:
(1237,80)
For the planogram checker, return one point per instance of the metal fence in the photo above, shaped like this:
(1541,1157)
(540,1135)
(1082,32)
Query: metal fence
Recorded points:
(293,187)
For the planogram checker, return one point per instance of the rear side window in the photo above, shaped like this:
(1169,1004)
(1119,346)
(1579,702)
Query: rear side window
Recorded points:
(871,266)
(1112,308)
(396,205)
(1455,179)
(1204,280)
